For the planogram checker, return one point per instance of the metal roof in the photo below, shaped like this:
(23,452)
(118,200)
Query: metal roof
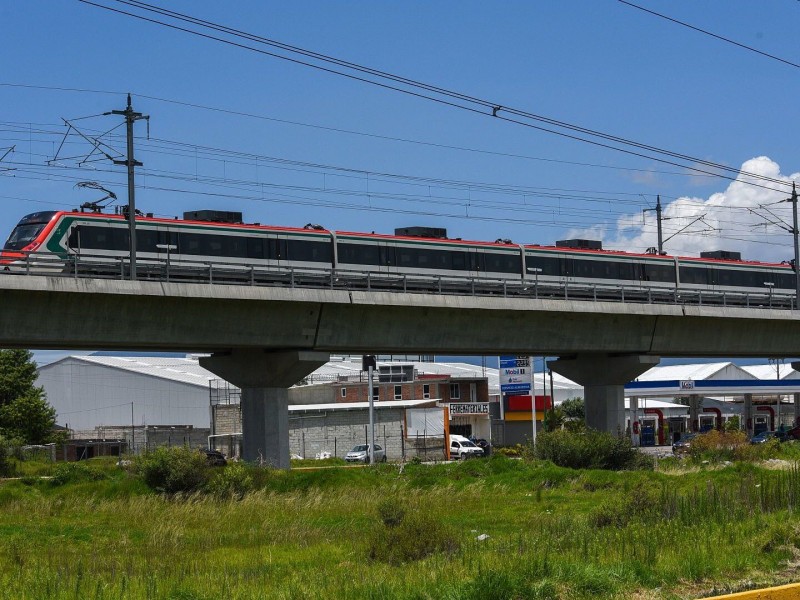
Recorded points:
(362,405)
(182,370)
(696,372)
(770,372)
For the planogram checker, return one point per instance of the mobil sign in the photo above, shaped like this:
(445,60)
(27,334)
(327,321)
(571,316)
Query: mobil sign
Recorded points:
(515,374)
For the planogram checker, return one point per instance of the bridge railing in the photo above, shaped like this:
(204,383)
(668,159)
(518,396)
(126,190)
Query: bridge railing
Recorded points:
(231,273)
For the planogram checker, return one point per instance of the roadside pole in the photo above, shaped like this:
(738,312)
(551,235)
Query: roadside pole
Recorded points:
(368,363)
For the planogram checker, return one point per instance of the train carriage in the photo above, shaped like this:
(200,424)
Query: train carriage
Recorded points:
(57,240)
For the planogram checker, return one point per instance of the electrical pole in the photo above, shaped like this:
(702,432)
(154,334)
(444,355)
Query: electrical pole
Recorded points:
(130,118)
(796,248)
(658,218)
(660,248)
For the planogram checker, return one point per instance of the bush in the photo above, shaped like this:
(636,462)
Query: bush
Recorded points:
(234,481)
(588,450)
(173,470)
(513,451)
(716,446)
(406,537)
(71,472)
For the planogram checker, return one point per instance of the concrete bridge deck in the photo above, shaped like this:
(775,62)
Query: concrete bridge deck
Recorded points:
(60,312)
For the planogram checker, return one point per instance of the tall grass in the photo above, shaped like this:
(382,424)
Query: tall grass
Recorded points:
(308,535)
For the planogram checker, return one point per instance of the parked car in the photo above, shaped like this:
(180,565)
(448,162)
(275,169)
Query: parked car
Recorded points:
(461,447)
(215,458)
(766,436)
(684,443)
(360,453)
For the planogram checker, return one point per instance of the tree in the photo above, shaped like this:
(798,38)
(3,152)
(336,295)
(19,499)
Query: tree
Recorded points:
(17,374)
(25,414)
(574,408)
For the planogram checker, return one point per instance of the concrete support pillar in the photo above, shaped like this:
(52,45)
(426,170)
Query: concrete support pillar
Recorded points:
(747,415)
(603,377)
(265,378)
(694,412)
(634,414)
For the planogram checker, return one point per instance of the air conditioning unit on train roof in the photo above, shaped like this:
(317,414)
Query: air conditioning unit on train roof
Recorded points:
(214,216)
(439,233)
(722,255)
(582,244)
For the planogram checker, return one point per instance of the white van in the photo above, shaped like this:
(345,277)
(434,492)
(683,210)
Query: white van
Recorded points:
(461,447)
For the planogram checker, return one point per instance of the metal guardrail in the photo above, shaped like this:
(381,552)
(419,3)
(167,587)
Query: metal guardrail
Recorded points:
(227,273)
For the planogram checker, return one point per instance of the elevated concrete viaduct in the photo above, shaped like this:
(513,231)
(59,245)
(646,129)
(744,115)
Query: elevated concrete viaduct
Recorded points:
(265,339)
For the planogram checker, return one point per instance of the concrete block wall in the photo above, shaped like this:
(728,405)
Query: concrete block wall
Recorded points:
(337,432)
(148,436)
(227,418)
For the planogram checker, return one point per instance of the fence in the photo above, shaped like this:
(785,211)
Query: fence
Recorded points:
(220,272)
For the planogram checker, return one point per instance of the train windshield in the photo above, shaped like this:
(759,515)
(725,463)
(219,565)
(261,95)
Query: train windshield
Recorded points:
(28,228)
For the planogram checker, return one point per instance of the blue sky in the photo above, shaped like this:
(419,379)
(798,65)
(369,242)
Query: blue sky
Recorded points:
(598,63)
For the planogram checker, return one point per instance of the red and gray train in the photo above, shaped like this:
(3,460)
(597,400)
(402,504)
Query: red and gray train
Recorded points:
(208,236)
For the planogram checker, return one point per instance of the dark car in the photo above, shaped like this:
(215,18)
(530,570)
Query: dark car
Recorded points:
(765,436)
(684,443)
(215,458)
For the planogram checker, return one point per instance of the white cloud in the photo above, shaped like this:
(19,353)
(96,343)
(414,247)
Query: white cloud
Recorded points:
(723,221)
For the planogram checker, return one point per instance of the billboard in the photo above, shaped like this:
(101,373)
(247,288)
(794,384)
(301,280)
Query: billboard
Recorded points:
(515,374)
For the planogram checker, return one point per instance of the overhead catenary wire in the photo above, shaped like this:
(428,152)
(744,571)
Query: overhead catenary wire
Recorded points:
(710,34)
(423,90)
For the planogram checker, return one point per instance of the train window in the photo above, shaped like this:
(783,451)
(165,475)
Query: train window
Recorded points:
(359,254)
(405,257)
(694,275)
(310,251)
(99,238)
(548,265)
(204,244)
(658,272)
(785,281)
(628,271)
(146,240)
(501,263)
(256,248)
(460,261)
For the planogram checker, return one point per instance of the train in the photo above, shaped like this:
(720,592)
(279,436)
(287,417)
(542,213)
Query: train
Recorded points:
(208,236)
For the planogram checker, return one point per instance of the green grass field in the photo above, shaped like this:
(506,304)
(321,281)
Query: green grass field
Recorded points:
(100,533)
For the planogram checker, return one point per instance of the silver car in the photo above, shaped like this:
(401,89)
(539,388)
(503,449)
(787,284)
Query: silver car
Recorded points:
(360,453)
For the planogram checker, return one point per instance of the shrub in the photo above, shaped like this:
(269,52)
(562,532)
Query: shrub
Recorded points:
(717,446)
(514,451)
(234,481)
(588,450)
(71,472)
(416,536)
(173,470)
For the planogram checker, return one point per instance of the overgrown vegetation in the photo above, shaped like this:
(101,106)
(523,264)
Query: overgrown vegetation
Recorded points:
(718,446)
(478,529)
(589,450)
(173,470)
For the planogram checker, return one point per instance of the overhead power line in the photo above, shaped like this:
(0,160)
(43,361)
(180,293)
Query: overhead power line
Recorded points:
(711,34)
(426,91)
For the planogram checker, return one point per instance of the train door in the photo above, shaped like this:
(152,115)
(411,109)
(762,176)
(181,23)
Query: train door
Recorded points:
(567,270)
(476,262)
(166,247)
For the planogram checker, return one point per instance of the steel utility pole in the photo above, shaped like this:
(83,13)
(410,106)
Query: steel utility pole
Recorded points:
(368,364)
(796,248)
(130,118)
(658,220)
